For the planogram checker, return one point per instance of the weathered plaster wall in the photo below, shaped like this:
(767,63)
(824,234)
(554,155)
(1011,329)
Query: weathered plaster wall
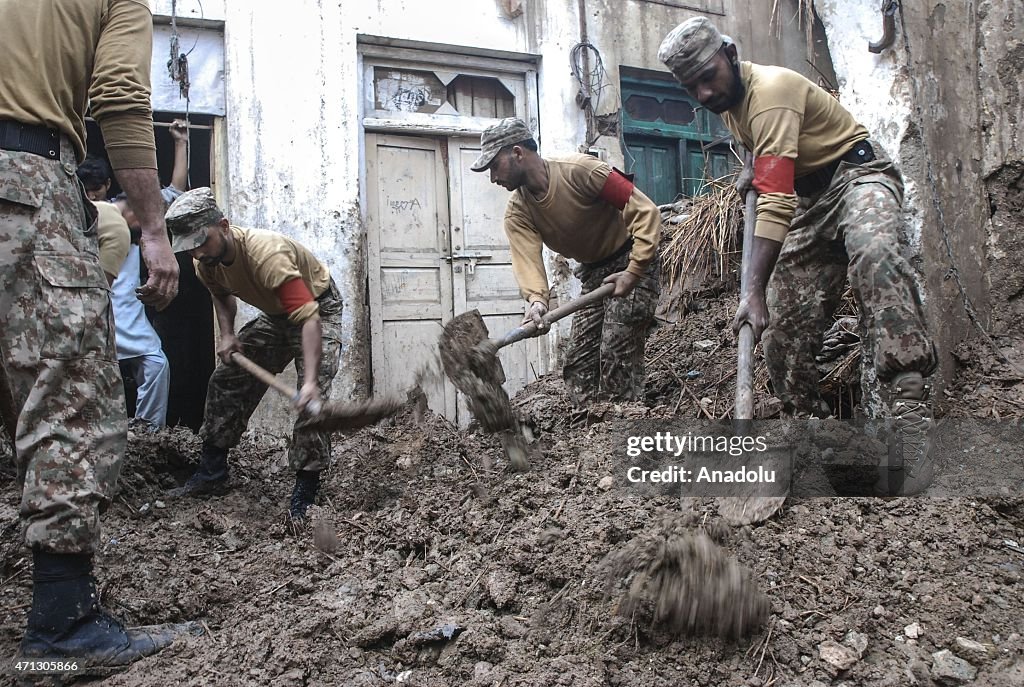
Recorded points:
(945,100)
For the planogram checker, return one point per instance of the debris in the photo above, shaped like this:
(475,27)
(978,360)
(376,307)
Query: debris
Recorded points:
(857,642)
(836,655)
(704,345)
(912,631)
(971,646)
(444,633)
(606,483)
(950,669)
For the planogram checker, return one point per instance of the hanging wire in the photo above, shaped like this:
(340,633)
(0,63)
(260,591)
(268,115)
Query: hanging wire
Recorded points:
(588,70)
(177,68)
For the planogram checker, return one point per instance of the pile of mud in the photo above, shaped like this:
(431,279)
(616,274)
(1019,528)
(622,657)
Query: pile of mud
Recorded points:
(445,571)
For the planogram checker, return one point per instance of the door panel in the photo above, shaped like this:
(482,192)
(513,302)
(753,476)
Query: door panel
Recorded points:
(410,279)
(486,282)
(423,268)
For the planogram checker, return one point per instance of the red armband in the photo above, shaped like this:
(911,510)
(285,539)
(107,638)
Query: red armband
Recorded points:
(774,174)
(294,294)
(617,189)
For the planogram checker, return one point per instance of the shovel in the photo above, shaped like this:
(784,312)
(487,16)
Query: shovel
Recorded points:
(325,416)
(744,510)
(470,361)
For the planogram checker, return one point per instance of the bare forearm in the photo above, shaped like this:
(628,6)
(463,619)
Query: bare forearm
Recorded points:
(142,187)
(312,349)
(179,175)
(762,262)
(225,308)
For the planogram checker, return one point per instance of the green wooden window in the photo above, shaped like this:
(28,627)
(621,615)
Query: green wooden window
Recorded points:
(672,145)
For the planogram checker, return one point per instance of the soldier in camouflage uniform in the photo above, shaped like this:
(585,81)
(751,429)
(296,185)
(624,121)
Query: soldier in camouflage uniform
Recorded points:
(829,208)
(62,399)
(580,207)
(300,321)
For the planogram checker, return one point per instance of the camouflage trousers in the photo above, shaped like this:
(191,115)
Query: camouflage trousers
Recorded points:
(605,357)
(63,398)
(273,343)
(851,230)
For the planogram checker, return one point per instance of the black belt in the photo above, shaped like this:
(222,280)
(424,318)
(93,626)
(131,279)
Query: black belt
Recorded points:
(817,181)
(29,138)
(619,252)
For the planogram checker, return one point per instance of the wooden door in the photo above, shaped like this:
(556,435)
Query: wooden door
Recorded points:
(437,248)
(410,276)
(482,264)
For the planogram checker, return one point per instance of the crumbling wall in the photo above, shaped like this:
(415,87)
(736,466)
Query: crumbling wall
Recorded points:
(1000,37)
(945,101)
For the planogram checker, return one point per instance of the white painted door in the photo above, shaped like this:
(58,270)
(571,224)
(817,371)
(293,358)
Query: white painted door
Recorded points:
(437,248)
(483,279)
(409,274)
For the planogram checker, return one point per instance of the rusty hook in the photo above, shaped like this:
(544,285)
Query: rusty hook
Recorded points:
(889,8)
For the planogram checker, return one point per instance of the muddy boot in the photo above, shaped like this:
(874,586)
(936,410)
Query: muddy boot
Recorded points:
(307,484)
(66,623)
(211,479)
(910,468)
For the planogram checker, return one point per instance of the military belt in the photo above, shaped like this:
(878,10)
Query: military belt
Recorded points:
(29,138)
(817,181)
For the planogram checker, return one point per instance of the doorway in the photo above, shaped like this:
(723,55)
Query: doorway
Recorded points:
(437,248)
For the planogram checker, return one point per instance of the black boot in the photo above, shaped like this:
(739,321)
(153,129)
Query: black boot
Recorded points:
(211,479)
(307,484)
(909,468)
(66,622)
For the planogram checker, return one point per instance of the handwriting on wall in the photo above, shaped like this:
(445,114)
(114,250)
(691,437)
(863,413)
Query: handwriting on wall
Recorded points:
(404,205)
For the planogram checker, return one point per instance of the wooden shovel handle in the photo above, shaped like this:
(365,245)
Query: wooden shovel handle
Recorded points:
(529,329)
(745,354)
(272,381)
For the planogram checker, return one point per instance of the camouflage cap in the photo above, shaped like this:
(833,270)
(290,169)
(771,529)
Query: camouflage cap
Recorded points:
(189,217)
(508,131)
(690,46)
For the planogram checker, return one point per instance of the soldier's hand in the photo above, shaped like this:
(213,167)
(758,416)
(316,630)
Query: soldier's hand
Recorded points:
(535,313)
(162,285)
(624,282)
(753,310)
(745,179)
(229,344)
(309,393)
(179,130)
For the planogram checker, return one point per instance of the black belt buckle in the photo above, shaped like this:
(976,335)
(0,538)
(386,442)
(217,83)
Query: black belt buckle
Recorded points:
(28,138)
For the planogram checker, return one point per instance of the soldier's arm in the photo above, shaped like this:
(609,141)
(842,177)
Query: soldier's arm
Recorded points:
(119,98)
(226,307)
(527,251)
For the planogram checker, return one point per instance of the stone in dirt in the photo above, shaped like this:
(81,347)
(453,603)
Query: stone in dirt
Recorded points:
(971,646)
(912,631)
(836,655)
(950,669)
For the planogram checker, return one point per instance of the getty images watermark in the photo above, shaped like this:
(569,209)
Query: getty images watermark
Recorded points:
(700,459)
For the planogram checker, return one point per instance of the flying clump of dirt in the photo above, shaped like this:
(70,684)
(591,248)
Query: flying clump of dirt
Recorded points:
(685,583)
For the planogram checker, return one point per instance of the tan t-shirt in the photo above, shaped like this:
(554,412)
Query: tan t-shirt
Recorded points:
(786,115)
(572,219)
(264,261)
(114,238)
(94,52)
